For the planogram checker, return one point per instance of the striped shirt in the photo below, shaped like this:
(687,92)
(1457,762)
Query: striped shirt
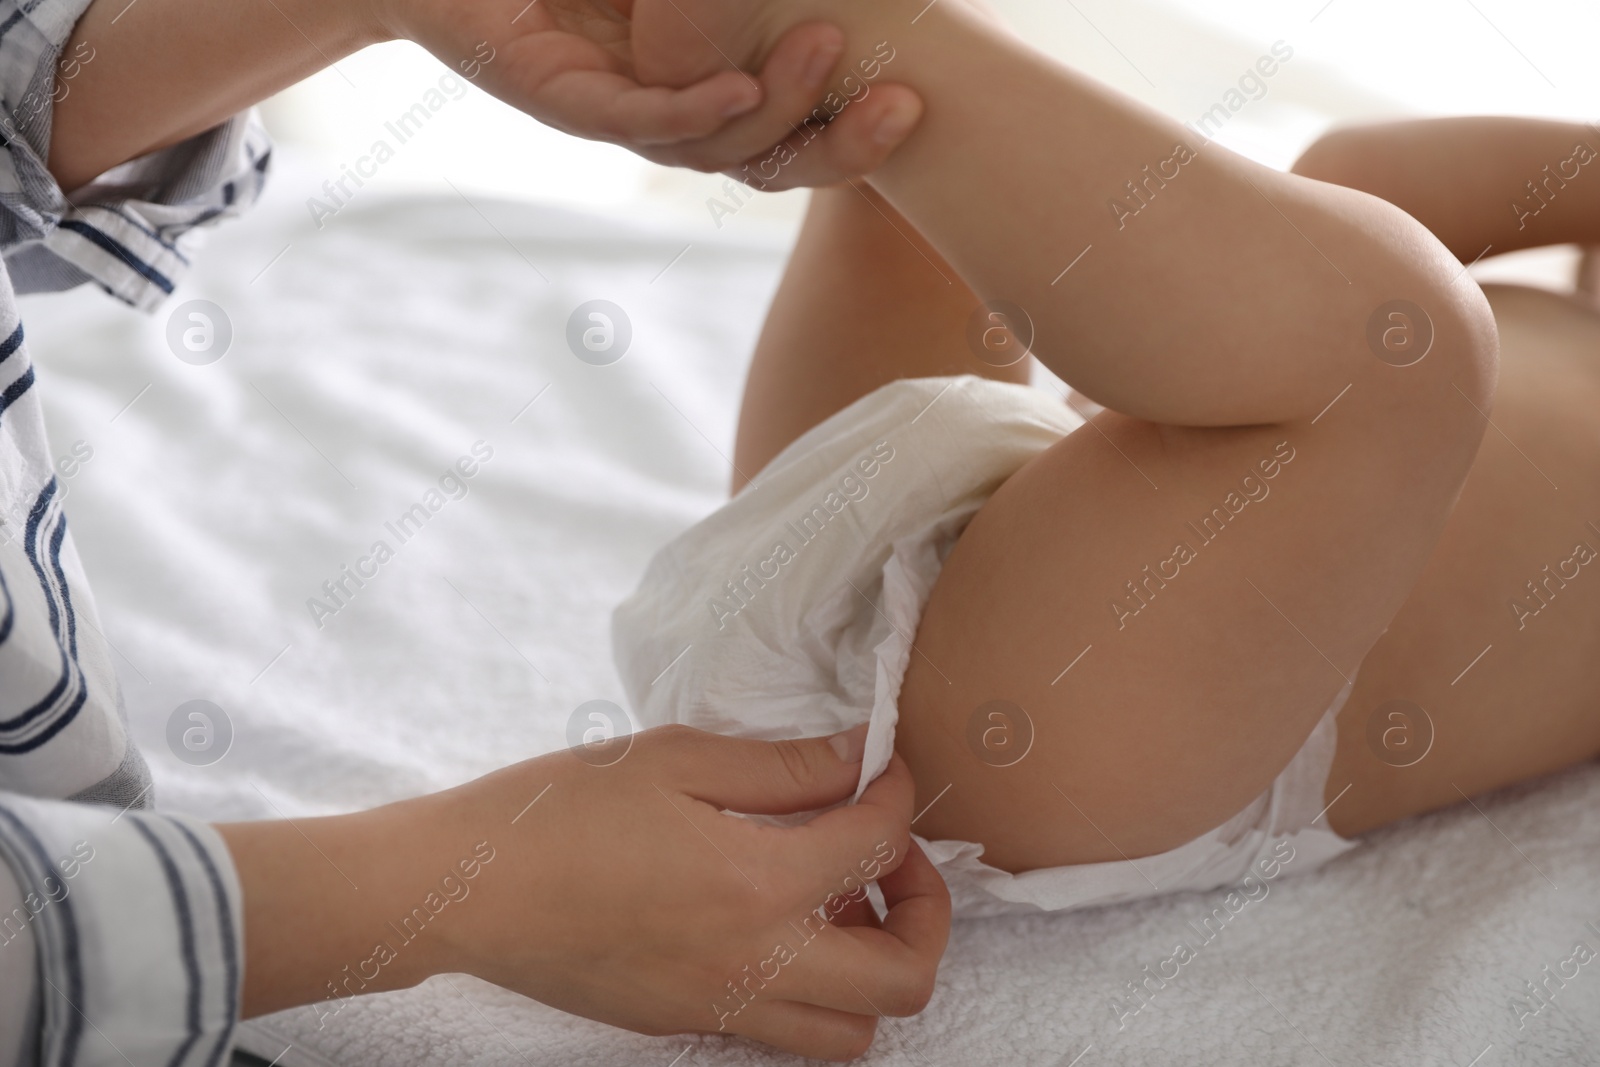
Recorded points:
(119,928)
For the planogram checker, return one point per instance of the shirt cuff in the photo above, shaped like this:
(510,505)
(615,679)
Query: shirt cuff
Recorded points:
(135,921)
(131,230)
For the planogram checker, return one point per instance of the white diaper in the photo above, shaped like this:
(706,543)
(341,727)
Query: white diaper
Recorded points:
(790,612)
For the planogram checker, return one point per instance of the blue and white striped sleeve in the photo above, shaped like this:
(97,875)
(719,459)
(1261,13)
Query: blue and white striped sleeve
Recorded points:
(132,920)
(132,230)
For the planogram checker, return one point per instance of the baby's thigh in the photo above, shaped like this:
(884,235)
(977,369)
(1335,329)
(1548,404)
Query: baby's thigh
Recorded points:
(1142,626)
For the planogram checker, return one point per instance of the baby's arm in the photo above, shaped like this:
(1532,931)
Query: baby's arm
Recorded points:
(164,70)
(1482,185)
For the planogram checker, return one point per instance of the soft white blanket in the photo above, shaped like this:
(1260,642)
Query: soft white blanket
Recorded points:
(366,358)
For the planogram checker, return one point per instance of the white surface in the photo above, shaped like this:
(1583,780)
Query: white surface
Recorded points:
(366,358)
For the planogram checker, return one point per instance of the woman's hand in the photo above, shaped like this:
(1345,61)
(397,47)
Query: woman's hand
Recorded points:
(574,65)
(620,892)
(628,896)
(857,114)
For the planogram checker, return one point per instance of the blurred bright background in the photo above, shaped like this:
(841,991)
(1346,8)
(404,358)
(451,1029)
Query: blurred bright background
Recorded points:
(1353,59)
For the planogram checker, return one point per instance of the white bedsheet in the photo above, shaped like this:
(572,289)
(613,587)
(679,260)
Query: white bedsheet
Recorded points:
(371,354)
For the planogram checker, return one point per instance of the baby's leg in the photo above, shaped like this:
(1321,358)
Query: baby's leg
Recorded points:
(1221,576)
(1487,676)
(865,301)
(1484,186)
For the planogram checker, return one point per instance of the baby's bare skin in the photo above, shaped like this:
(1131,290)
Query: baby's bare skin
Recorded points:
(1428,723)
(1529,705)
(1525,708)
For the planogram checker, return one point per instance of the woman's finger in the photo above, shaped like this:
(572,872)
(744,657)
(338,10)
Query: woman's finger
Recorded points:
(918,907)
(793,79)
(855,969)
(857,911)
(805,1029)
(857,142)
(608,106)
(887,968)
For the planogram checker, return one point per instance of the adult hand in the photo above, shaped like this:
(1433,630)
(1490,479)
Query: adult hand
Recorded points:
(625,893)
(571,64)
(641,903)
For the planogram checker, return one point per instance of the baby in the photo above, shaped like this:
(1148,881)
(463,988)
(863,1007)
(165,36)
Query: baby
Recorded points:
(1148,652)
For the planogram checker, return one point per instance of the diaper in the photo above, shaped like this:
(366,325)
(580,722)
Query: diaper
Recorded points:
(790,612)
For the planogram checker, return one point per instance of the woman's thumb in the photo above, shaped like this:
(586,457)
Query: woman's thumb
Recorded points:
(766,777)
